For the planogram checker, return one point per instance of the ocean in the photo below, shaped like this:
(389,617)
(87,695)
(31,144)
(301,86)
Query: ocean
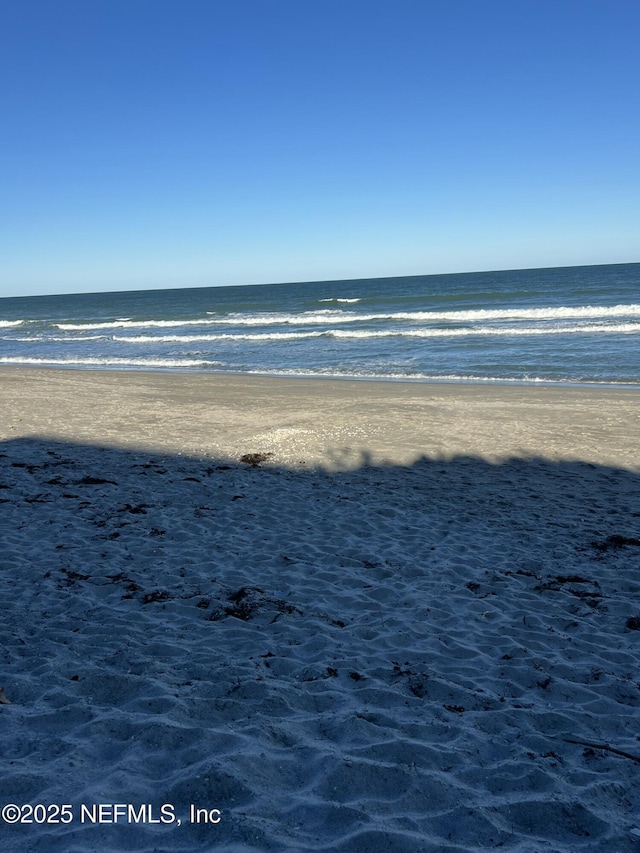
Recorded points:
(566,325)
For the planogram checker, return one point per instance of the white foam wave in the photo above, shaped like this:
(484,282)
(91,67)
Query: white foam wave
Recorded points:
(319,373)
(329,316)
(584,312)
(336,299)
(111,362)
(620,328)
(189,339)
(39,339)
(130,324)
(328,373)
(354,334)
(6,324)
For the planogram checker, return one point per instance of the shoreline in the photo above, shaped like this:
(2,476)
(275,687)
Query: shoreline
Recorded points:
(335,423)
(410,380)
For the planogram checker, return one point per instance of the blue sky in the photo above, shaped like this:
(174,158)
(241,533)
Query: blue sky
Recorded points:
(169,143)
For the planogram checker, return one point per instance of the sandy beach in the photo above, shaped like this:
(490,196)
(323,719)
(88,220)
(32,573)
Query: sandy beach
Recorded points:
(314,615)
(331,423)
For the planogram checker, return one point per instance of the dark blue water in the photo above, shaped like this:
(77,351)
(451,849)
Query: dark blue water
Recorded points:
(570,324)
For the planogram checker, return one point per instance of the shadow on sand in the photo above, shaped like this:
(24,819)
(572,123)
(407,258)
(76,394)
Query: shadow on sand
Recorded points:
(437,657)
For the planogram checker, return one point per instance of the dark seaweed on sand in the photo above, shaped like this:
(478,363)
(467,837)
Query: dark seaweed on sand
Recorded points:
(615,542)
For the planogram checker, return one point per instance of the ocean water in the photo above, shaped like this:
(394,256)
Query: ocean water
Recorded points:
(570,324)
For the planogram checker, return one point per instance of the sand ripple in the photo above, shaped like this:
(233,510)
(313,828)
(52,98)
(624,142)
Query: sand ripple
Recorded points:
(421,658)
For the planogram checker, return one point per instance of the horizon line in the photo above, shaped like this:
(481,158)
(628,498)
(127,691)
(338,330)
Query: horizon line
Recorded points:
(320,280)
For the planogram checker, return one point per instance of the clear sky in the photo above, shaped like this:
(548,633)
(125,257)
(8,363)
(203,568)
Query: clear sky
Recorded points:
(169,143)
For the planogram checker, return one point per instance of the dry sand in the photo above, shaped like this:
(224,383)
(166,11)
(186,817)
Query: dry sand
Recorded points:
(414,627)
(335,423)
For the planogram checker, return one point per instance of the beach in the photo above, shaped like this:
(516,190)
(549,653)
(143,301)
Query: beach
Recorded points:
(313,614)
(331,423)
